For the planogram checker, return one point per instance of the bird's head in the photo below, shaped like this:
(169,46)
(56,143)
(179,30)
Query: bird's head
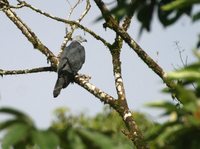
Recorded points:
(80,39)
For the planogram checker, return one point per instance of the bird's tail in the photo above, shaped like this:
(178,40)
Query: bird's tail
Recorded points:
(62,82)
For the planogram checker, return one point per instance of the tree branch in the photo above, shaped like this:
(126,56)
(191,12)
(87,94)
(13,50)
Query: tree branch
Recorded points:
(25,71)
(126,22)
(144,56)
(134,132)
(83,81)
(87,8)
(115,52)
(140,52)
(112,24)
(72,8)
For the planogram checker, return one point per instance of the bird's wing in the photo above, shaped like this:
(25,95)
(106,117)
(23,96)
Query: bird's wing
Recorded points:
(64,66)
(76,57)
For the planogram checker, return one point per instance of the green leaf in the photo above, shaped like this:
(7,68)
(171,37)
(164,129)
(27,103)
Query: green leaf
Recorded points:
(196,17)
(45,139)
(183,137)
(170,16)
(97,139)
(178,4)
(12,112)
(8,123)
(193,66)
(145,14)
(168,134)
(194,120)
(74,139)
(186,96)
(184,74)
(158,129)
(165,105)
(15,134)
(191,107)
(18,114)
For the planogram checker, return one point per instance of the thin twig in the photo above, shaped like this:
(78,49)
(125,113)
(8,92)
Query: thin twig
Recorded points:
(26,71)
(184,62)
(180,51)
(87,8)
(72,9)
(73,27)
(69,3)
(92,33)
(68,35)
(127,20)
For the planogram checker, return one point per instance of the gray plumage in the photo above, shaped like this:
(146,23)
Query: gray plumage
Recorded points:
(71,60)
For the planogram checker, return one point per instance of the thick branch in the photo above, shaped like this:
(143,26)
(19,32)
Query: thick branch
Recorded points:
(25,71)
(134,132)
(141,53)
(118,78)
(83,81)
(115,52)
(112,24)
(127,38)
(30,35)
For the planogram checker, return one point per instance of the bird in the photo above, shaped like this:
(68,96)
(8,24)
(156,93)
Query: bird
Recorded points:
(71,60)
